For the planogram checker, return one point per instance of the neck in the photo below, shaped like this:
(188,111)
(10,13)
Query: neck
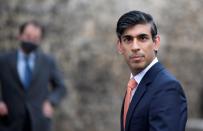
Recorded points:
(138,70)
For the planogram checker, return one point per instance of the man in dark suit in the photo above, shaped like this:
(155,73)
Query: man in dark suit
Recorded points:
(154,99)
(26,101)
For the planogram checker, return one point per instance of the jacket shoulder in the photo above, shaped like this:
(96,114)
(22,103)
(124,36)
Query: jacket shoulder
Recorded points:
(48,58)
(7,55)
(166,81)
(166,76)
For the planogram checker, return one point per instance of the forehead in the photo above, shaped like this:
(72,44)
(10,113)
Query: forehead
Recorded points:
(138,29)
(30,28)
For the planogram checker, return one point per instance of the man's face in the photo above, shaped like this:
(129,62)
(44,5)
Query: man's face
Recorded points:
(138,47)
(31,34)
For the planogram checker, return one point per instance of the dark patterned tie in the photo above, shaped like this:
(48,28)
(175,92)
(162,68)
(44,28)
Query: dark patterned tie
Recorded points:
(28,73)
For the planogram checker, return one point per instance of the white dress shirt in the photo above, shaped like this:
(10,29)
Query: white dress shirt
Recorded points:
(140,75)
(21,63)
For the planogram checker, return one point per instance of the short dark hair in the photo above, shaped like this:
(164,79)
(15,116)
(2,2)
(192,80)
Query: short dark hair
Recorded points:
(32,22)
(133,18)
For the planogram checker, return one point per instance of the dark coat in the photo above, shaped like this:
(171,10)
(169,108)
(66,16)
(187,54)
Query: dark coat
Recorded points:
(19,101)
(159,103)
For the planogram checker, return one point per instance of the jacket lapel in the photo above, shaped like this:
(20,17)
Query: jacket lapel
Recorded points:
(13,63)
(141,89)
(36,69)
(121,115)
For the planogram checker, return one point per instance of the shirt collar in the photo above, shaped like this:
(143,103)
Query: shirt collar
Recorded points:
(21,55)
(140,75)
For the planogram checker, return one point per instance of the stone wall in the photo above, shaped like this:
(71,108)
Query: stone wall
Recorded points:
(81,35)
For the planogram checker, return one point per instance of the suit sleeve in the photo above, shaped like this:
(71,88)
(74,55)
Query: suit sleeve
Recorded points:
(168,109)
(1,63)
(58,87)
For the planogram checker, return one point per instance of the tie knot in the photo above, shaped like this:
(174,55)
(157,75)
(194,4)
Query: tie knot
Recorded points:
(132,84)
(26,58)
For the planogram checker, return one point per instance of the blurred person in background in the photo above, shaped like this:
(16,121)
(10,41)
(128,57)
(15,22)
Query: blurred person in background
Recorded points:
(26,100)
(154,99)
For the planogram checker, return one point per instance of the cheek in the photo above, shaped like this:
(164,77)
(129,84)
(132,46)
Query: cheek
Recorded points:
(23,37)
(127,54)
(149,51)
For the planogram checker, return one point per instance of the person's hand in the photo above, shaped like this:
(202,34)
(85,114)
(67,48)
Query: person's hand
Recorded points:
(48,109)
(3,109)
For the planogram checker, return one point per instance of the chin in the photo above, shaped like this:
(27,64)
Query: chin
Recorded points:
(138,67)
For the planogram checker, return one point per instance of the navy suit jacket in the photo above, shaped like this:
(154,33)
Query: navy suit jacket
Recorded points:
(159,103)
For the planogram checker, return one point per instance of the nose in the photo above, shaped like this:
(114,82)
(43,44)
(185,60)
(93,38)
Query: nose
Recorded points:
(135,45)
(32,38)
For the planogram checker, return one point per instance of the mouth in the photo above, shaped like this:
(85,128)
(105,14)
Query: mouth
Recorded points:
(136,58)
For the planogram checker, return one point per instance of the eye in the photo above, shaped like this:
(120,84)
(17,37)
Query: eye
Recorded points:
(143,37)
(127,39)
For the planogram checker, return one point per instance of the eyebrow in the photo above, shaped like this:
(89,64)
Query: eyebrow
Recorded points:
(143,35)
(126,36)
(139,35)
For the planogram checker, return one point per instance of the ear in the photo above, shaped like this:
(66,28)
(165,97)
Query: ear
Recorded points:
(119,47)
(157,43)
